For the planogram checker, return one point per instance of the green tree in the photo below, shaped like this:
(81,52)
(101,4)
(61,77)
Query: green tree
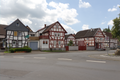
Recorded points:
(70,43)
(106,29)
(116,28)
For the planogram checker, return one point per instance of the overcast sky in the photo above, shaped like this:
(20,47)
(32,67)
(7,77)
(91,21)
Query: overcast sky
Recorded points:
(74,15)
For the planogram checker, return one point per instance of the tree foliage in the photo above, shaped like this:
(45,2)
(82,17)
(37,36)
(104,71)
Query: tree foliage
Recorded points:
(70,43)
(116,28)
(106,30)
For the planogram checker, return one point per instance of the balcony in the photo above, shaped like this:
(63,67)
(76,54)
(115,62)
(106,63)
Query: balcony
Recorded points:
(34,38)
(44,37)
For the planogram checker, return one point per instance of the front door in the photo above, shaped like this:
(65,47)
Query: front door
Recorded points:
(98,45)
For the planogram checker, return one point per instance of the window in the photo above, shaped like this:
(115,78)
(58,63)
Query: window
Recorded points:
(14,42)
(55,34)
(58,34)
(32,34)
(46,42)
(20,43)
(59,42)
(57,26)
(15,33)
(17,24)
(40,34)
(54,42)
(43,42)
(19,33)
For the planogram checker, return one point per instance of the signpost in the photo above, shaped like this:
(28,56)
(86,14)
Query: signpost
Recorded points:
(8,43)
(107,49)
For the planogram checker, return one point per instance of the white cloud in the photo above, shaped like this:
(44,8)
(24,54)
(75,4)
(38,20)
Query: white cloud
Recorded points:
(103,22)
(85,27)
(26,21)
(110,23)
(84,4)
(69,29)
(114,8)
(111,10)
(36,13)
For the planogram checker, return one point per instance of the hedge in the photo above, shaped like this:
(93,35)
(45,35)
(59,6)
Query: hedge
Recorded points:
(26,49)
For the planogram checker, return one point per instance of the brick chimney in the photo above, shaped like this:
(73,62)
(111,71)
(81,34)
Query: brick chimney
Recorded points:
(44,25)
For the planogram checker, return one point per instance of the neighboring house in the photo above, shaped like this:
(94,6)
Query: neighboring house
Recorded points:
(92,38)
(70,37)
(17,34)
(109,41)
(2,36)
(50,37)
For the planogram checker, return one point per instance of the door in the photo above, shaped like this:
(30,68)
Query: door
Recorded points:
(67,48)
(81,45)
(34,45)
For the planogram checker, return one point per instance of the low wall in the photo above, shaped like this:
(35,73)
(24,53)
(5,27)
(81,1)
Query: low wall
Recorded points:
(90,48)
(72,48)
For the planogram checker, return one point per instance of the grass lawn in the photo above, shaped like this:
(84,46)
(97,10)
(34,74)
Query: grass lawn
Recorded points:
(7,52)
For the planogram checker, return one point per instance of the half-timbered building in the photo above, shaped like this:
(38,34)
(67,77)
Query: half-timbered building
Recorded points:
(2,36)
(110,41)
(91,38)
(17,34)
(52,37)
(70,37)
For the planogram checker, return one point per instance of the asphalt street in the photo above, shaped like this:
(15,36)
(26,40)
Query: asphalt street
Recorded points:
(74,65)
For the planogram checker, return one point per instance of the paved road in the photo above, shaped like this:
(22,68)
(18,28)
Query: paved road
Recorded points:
(75,65)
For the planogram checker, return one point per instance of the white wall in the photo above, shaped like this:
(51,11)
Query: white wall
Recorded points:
(72,48)
(44,46)
(38,33)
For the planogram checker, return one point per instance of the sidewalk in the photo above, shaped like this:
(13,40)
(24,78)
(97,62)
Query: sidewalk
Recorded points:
(32,52)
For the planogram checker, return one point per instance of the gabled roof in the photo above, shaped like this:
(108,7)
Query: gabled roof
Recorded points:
(2,30)
(86,33)
(29,28)
(17,25)
(108,34)
(40,29)
(66,36)
(47,28)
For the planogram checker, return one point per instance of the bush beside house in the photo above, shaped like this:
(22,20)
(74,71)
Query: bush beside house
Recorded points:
(25,49)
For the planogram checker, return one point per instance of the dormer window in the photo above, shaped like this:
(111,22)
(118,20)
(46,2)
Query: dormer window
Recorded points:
(17,24)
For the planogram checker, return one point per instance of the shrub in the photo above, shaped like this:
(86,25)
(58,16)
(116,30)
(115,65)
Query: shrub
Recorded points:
(117,52)
(12,50)
(26,49)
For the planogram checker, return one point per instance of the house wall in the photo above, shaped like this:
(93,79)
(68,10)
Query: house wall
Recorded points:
(16,41)
(87,41)
(56,37)
(70,38)
(44,46)
(38,33)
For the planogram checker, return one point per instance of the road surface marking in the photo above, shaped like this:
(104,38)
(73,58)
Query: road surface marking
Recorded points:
(40,57)
(18,57)
(64,59)
(96,61)
(1,56)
